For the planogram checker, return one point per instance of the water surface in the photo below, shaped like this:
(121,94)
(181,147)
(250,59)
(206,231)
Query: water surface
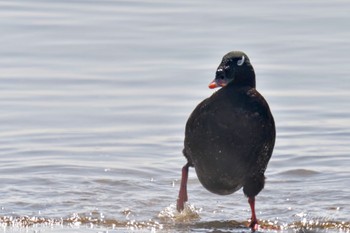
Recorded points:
(94,97)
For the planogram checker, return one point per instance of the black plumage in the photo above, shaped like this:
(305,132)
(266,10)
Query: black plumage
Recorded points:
(230,136)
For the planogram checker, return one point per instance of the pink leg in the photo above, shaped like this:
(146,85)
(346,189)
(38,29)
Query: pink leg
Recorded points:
(254,221)
(183,188)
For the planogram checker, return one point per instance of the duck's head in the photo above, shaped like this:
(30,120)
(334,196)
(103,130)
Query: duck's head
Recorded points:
(234,69)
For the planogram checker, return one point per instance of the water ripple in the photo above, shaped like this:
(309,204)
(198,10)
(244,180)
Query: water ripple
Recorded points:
(96,220)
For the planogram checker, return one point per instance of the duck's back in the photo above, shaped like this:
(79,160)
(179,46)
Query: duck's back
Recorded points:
(230,137)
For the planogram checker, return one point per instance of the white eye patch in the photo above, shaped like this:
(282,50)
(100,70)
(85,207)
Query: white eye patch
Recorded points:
(240,62)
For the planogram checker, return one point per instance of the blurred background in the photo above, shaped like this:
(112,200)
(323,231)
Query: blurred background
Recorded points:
(94,97)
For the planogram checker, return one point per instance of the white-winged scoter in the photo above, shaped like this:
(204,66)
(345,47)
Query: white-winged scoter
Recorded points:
(230,136)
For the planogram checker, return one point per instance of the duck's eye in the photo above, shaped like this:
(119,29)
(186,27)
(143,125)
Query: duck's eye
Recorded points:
(241,61)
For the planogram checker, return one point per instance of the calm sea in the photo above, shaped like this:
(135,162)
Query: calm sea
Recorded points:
(94,97)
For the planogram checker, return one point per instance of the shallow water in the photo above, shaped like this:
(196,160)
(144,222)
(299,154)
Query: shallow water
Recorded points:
(94,97)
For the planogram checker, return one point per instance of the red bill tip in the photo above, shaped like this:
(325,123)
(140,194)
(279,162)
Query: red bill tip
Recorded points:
(213,85)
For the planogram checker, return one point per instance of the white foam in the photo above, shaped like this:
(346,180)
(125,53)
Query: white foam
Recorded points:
(189,213)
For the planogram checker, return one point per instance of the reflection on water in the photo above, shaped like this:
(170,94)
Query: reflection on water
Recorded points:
(94,96)
(185,222)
